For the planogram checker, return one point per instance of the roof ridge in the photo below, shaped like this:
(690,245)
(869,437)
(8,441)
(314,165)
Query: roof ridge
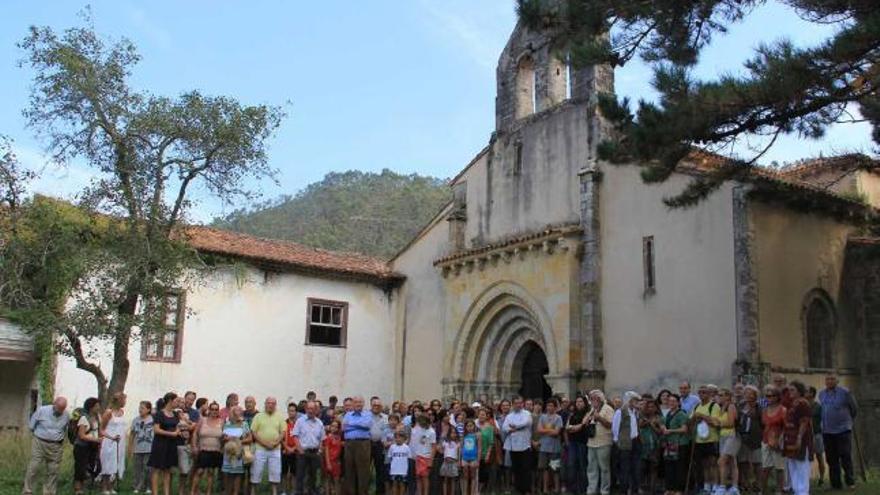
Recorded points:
(286,242)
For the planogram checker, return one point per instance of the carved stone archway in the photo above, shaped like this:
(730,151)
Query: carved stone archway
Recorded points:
(487,356)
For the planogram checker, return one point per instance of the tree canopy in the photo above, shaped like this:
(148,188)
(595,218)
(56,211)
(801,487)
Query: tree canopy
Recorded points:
(785,89)
(147,153)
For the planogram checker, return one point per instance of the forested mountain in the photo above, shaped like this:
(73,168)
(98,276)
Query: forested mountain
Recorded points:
(370,213)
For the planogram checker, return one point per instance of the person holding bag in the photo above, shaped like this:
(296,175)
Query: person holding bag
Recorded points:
(675,442)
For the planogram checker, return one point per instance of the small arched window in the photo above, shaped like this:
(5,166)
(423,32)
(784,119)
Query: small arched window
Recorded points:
(819,327)
(525,87)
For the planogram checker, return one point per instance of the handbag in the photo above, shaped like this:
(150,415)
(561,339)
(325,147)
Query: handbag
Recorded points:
(247,455)
(591,430)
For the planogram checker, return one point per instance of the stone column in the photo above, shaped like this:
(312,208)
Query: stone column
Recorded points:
(748,358)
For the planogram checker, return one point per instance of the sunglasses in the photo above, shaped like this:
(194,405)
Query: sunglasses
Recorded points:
(771,395)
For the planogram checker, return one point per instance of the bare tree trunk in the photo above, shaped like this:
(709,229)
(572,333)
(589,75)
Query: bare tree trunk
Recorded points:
(86,365)
(122,344)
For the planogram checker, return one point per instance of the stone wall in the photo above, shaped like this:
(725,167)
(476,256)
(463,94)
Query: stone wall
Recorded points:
(860,307)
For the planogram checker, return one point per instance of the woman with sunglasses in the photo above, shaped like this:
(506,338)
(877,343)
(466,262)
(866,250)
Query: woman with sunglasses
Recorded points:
(207,448)
(773,419)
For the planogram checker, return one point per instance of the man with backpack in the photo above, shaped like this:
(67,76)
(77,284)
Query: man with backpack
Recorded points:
(48,426)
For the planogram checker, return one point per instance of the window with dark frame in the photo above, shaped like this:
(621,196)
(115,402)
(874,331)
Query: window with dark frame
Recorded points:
(648,262)
(327,323)
(164,344)
(819,320)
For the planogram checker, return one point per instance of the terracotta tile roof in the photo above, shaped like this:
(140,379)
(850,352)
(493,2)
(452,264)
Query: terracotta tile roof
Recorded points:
(702,161)
(802,170)
(291,255)
(870,241)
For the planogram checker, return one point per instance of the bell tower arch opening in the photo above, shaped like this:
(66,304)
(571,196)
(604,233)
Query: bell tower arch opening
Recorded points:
(526,97)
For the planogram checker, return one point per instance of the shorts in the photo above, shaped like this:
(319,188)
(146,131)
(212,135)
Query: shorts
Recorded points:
(397,478)
(729,445)
(545,460)
(288,464)
(749,455)
(209,459)
(818,444)
(184,459)
(423,466)
(706,450)
(449,468)
(771,458)
(264,459)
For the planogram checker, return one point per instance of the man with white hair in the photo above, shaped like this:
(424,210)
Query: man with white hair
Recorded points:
(48,425)
(599,445)
(625,432)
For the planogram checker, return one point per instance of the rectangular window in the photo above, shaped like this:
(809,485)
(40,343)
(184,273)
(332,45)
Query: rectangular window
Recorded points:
(648,262)
(164,344)
(518,158)
(326,323)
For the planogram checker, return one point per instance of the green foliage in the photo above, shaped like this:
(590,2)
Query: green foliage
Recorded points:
(785,90)
(93,272)
(370,213)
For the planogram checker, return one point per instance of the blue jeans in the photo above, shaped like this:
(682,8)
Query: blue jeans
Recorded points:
(576,467)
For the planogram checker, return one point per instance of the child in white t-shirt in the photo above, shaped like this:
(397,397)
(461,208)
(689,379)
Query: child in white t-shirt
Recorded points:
(421,444)
(450,448)
(398,466)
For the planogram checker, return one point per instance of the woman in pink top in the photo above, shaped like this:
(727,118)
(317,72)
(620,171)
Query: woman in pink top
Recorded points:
(206,447)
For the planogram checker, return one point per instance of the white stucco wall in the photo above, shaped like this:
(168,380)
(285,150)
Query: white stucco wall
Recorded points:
(502,204)
(246,335)
(687,329)
(422,321)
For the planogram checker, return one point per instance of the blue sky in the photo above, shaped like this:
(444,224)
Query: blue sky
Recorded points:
(407,85)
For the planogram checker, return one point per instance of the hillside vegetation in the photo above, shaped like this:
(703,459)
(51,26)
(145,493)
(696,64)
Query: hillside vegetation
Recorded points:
(370,213)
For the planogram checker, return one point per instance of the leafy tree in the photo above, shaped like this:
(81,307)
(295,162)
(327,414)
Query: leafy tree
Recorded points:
(106,266)
(785,90)
(375,214)
(13,178)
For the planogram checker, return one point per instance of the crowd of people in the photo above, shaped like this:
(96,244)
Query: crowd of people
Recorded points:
(719,441)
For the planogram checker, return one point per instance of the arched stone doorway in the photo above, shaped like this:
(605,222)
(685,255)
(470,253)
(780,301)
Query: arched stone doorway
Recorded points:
(505,346)
(530,371)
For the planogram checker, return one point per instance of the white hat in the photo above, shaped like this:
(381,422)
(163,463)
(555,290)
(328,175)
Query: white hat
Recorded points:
(476,404)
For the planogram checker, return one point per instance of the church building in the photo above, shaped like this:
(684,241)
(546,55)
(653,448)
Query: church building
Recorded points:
(548,272)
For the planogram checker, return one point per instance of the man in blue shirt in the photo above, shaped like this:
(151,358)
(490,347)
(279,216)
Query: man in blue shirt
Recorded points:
(356,425)
(839,409)
(48,425)
(689,401)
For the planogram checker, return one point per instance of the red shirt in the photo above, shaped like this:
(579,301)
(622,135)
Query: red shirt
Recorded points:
(800,411)
(289,440)
(773,425)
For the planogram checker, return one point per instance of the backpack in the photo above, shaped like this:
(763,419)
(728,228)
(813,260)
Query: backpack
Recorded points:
(72,428)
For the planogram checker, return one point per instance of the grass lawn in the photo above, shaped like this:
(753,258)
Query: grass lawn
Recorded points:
(15,453)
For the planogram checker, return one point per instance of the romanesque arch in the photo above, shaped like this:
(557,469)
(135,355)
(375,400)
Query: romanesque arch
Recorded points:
(488,352)
(819,322)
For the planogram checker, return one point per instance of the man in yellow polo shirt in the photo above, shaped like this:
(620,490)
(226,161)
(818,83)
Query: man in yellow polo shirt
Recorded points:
(707,421)
(268,428)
